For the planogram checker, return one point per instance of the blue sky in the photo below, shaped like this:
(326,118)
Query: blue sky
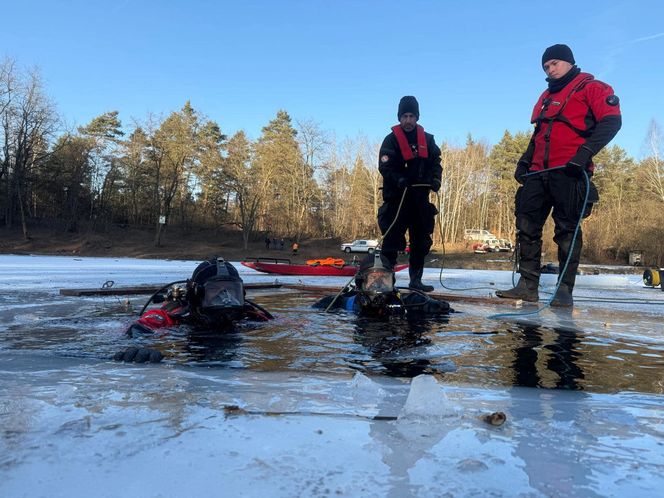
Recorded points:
(473,65)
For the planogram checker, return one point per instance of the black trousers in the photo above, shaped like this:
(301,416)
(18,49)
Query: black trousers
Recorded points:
(534,201)
(418,217)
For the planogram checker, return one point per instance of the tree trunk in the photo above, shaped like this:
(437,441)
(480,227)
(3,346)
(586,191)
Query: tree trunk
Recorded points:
(157,237)
(24,225)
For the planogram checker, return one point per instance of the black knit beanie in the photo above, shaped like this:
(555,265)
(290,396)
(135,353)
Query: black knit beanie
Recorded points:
(408,104)
(560,52)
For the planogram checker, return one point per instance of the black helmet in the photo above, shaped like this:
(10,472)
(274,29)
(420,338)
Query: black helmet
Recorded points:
(217,290)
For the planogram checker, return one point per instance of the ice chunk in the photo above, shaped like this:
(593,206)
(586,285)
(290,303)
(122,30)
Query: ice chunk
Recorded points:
(366,391)
(426,399)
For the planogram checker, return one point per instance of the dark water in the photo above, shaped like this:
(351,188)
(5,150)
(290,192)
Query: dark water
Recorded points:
(464,348)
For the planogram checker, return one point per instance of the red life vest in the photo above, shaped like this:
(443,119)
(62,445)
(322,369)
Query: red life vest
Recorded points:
(565,120)
(404,146)
(156,319)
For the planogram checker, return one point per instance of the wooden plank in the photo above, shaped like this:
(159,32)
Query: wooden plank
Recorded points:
(144,289)
(318,289)
(110,291)
(437,295)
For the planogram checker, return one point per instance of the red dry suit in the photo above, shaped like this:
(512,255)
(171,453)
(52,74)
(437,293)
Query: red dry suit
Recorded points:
(566,120)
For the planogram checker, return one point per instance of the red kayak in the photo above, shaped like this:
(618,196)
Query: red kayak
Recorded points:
(285,267)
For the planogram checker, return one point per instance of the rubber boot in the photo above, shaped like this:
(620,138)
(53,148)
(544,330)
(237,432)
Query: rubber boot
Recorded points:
(563,297)
(416,281)
(526,290)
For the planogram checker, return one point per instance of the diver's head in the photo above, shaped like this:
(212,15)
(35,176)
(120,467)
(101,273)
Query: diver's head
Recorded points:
(375,284)
(218,291)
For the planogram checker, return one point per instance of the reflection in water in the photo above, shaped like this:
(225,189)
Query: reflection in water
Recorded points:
(389,342)
(550,465)
(187,344)
(559,365)
(210,348)
(466,348)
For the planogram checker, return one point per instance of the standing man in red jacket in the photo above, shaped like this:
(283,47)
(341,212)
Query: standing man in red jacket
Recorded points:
(574,119)
(409,160)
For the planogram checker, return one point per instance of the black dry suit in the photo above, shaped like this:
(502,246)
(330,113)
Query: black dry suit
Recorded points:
(408,160)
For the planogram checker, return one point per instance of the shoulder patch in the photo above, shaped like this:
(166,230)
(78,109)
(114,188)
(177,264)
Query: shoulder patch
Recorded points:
(384,158)
(612,100)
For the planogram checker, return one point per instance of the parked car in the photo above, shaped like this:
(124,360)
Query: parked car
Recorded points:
(477,234)
(360,246)
(493,245)
(505,245)
(480,247)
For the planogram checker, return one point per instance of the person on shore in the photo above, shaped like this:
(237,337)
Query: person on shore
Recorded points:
(409,161)
(574,118)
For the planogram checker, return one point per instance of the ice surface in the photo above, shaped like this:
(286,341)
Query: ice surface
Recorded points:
(76,426)
(89,428)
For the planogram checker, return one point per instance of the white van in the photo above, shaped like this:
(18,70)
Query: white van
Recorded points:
(360,246)
(478,234)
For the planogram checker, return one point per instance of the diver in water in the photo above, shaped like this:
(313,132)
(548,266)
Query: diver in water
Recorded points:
(373,293)
(212,300)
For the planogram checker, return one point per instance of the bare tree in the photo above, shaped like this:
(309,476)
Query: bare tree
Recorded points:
(28,123)
(467,185)
(653,165)
(241,179)
(314,142)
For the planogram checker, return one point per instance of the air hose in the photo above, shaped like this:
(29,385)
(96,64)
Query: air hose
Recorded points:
(380,240)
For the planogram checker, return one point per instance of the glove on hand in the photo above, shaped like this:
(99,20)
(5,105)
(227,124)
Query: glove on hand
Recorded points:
(574,170)
(139,355)
(435,185)
(402,182)
(520,172)
(577,165)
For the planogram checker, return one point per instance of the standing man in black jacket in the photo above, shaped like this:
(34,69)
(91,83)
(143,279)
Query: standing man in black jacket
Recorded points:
(409,161)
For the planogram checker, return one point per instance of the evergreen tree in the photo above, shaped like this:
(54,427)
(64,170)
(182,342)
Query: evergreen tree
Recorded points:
(286,181)
(502,162)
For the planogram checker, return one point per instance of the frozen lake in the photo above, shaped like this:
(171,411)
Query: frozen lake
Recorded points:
(315,404)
